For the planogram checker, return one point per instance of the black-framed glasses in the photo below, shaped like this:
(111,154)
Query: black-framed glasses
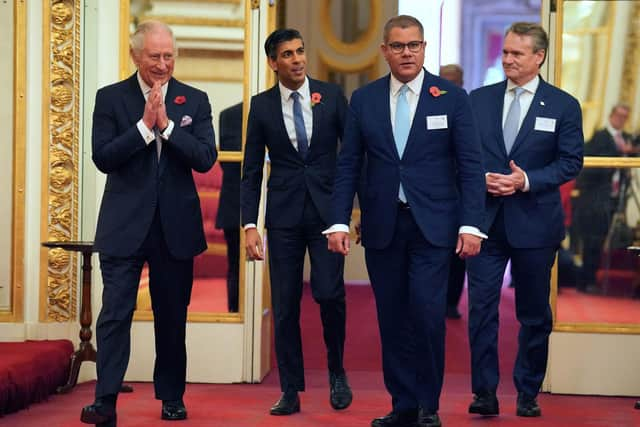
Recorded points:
(414,46)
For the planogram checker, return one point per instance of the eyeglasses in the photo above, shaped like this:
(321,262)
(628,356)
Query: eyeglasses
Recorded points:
(414,46)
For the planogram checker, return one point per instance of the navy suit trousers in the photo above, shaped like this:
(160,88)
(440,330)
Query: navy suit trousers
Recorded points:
(170,282)
(287,248)
(531,271)
(409,279)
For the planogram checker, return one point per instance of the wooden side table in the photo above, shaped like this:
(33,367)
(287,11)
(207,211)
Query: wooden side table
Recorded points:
(85,351)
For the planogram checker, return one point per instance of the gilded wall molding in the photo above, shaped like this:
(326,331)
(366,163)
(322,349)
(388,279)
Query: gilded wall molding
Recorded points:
(631,67)
(60,157)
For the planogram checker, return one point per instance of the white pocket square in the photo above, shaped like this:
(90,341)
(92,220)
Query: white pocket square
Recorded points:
(185,121)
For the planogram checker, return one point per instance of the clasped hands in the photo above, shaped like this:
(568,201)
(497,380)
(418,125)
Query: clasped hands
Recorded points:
(505,185)
(155,112)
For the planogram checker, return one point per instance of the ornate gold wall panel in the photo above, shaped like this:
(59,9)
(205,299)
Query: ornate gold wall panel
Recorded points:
(60,157)
(631,67)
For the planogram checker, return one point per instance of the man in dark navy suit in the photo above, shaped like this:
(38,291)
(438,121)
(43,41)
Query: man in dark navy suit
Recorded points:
(532,142)
(228,215)
(423,196)
(300,121)
(149,133)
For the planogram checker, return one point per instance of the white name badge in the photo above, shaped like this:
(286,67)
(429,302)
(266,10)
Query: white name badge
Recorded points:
(437,122)
(545,124)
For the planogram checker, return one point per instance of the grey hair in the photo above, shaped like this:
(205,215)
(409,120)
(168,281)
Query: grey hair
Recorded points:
(401,21)
(536,32)
(136,41)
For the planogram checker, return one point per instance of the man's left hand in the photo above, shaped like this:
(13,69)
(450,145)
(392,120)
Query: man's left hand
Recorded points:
(468,245)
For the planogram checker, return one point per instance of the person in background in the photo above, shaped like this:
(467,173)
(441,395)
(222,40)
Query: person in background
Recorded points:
(300,121)
(454,73)
(228,215)
(532,143)
(150,132)
(413,128)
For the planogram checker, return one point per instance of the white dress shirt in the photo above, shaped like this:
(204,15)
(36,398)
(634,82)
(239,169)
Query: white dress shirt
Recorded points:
(413,96)
(149,135)
(287,111)
(526,97)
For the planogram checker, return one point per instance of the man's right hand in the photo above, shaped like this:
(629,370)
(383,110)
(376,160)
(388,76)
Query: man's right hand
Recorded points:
(339,242)
(253,244)
(154,101)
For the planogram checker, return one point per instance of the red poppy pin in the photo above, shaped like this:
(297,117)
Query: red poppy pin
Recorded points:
(436,92)
(316,98)
(180,100)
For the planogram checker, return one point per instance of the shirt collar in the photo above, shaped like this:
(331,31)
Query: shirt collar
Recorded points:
(145,88)
(531,86)
(303,90)
(613,131)
(415,85)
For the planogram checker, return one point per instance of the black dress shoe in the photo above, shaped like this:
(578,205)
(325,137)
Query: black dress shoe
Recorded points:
(426,419)
(100,414)
(637,405)
(527,406)
(485,403)
(289,403)
(340,395)
(397,419)
(173,410)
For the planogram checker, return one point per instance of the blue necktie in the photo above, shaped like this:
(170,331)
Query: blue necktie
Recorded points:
(298,122)
(401,128)
(510,128)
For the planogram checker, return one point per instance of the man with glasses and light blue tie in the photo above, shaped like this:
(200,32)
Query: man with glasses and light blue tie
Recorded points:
(423,197)
(300,121)
(532,142)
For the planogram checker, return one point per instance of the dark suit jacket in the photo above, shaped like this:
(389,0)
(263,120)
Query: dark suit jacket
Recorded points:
(228,215)
(137,183)
(440,170)
(291,176)
(533,219)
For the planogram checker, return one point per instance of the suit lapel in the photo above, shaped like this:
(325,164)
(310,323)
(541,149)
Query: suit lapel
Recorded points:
(498,111)
(134,99)
(317,112)
(174,112)
(275,106)
(384,112)
(421,111)
(536,109)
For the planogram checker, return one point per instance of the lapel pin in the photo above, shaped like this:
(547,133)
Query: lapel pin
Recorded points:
(541,102)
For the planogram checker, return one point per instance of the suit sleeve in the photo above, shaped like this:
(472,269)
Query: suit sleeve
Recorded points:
(110,150)
(197,149)
(468,152)
(251,183)
(569,157)
(349,165)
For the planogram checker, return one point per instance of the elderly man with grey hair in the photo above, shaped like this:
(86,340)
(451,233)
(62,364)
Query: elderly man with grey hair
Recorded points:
(150,132)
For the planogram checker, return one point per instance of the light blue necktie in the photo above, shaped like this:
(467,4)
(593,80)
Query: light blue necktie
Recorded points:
(298,122)
(401,127)
(510,128)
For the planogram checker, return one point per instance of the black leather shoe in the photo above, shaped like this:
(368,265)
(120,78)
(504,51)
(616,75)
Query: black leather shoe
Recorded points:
(637,405)
(173,410)
(397,419)
(527,406)
(428,420)
(289,403)
(100,414)
(340,395)
(452,312)
(485,403)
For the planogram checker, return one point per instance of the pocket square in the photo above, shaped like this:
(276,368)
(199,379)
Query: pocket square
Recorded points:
(185,121)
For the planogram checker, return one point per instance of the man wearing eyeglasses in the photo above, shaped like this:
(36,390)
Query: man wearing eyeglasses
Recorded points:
(424,196)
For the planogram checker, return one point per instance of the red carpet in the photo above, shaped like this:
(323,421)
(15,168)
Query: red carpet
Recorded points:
(576,306)
(246,405)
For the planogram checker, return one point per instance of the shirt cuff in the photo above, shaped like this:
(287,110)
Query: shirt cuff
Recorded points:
(146,134)
(335,228)
(526,182)
(167,132)
(249,225)
(467,229)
